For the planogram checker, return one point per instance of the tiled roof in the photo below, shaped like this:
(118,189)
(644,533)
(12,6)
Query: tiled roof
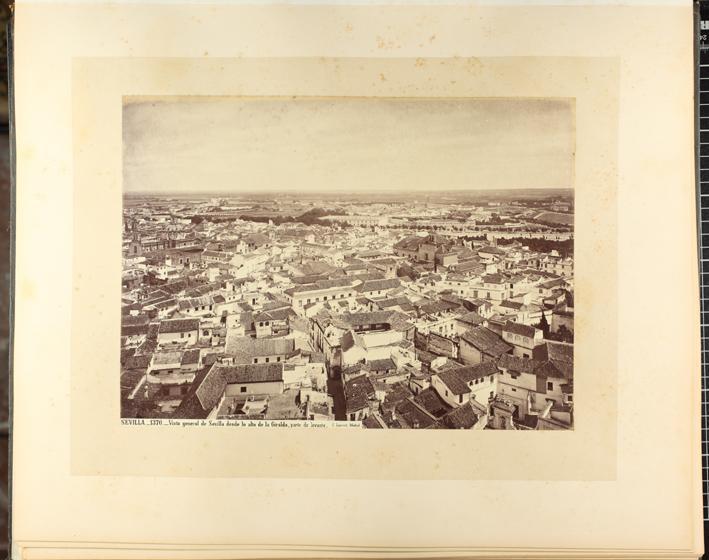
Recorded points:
(557,360)
(321,285)
(209,385)
(471,373)
(251,373)
(179,325)
(493,279)
(395,394)
(471,318)
(413,415)
(138,362)
(432,402)
(452,380)
(134,330)
(167,358)
(520,329)
(463,417)
(377,285)
(248,347)
(371,422)
(516,364)
(491,250)
(381,365)
(191,356)
(410,243)
(358,391)
(486,341)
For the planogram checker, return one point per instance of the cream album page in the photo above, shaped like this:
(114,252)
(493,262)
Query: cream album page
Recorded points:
(327,279)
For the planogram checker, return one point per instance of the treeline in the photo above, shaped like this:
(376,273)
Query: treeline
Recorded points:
(565,248)
(310,218)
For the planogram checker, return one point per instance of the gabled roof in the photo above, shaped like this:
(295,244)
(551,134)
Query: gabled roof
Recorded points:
(471,318)
(376,285)
(557,360)
(430,400)
(520,329)
(249,348)
(410,414)
(517,364)
(471,373)
(452,380)
(210,383)
(486,341)
(463,417)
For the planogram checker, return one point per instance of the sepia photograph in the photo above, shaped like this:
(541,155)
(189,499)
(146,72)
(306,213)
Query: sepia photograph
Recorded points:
(391,263)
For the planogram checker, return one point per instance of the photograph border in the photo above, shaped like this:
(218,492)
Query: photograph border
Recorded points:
(586,453)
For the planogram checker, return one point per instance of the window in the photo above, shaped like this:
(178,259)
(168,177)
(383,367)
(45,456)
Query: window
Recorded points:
(268,360)
(460,398)
(243,389)
(492,378)
(260,324)
(550,386)
(570,398)
(278,358)
(256,360)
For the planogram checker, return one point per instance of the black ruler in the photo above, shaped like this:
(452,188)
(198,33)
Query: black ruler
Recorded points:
(702,83)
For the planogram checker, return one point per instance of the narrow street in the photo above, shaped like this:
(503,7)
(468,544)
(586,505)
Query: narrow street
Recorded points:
(334,388)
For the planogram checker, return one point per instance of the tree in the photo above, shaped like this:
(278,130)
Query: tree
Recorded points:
(543,325)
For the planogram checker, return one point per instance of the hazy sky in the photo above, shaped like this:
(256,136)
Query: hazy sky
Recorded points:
(204,144)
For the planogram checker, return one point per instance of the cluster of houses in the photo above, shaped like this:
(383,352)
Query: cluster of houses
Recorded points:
(396,329)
